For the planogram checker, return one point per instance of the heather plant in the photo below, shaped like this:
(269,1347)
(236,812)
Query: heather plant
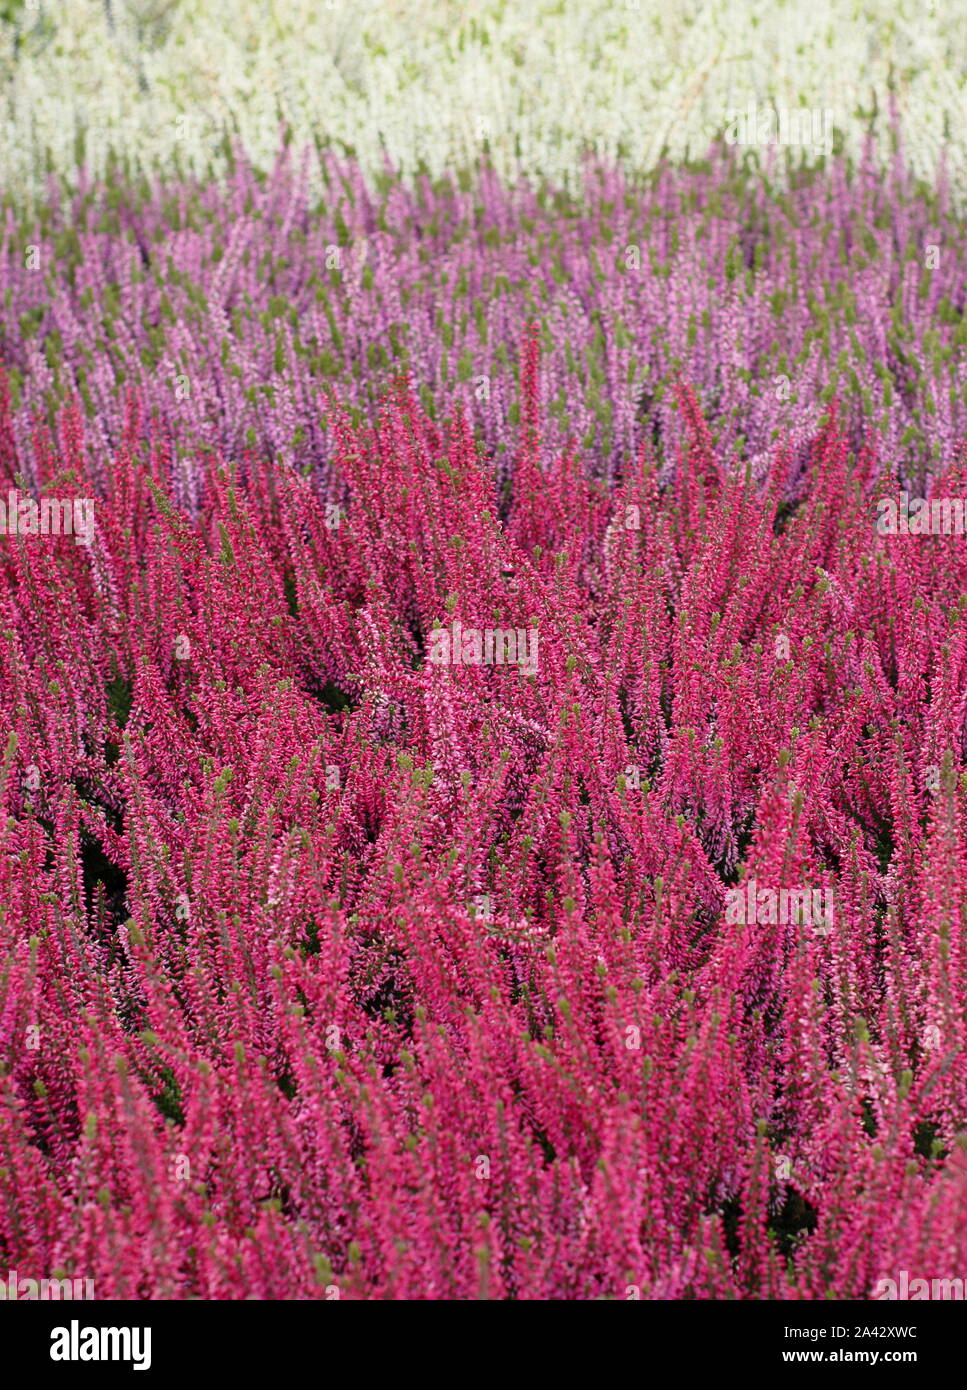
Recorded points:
(233,311)
(334,972)
(166,84)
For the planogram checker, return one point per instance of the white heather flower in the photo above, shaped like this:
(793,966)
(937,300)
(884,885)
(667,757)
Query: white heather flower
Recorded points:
(433,79)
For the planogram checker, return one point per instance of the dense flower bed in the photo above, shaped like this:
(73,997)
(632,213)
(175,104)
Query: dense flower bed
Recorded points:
(435,82)
(233,310)
(406,780)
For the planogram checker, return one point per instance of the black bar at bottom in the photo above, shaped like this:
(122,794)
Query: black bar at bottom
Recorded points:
(69,1341)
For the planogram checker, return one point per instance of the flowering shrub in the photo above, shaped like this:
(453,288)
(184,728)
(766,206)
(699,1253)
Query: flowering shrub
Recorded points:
(232,309)
(482,729)
(162,82)
(331,971)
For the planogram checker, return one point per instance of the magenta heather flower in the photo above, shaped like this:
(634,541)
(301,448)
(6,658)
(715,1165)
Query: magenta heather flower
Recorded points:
(484,816)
